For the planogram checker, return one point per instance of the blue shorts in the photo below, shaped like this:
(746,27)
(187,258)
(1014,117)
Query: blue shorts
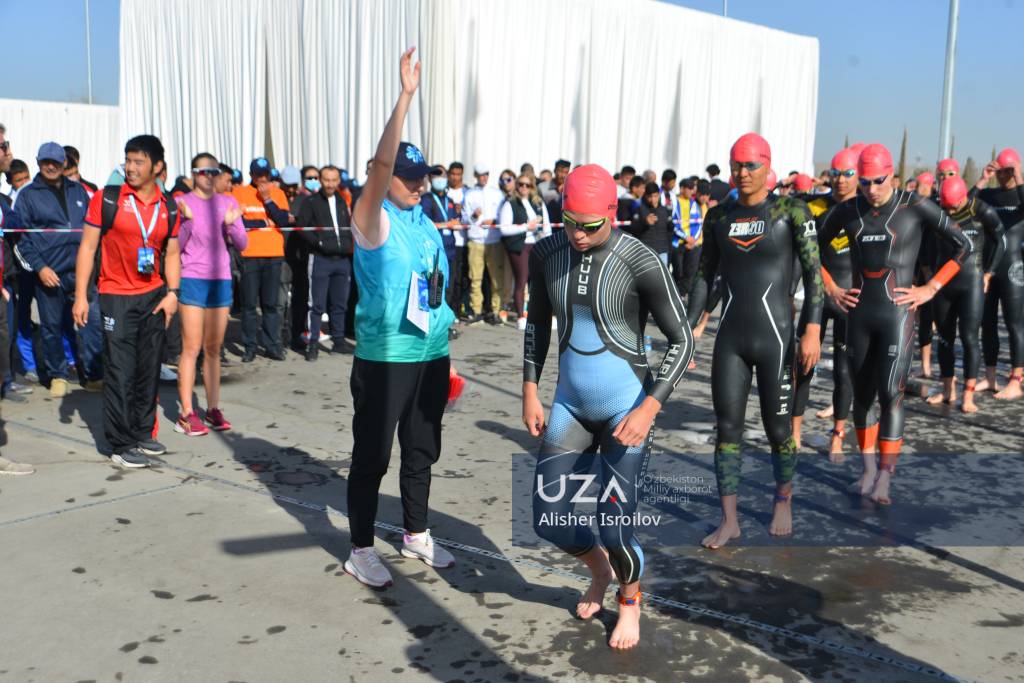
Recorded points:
(205,293)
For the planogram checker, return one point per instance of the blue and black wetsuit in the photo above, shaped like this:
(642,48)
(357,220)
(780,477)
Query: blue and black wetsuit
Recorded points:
(601,298)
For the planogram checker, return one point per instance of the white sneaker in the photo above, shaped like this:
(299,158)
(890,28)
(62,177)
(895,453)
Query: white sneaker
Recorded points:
(167,375)
(421,547)
(521,324)
(15,469)
(364,564)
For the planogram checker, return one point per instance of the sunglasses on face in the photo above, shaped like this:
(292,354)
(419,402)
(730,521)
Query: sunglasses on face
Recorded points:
(506,179)
(751,166)
(210,171)
(524,185)
(846,173)
(868,182)
(571,224)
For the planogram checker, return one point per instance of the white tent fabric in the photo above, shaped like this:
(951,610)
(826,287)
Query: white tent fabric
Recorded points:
(604,81)
(91,128)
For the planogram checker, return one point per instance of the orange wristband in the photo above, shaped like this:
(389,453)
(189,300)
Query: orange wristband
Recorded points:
(826,278)
(946,273)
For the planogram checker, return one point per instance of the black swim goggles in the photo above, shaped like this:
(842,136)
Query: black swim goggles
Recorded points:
(868,182)
(571,224)
(751,166)
(211,171)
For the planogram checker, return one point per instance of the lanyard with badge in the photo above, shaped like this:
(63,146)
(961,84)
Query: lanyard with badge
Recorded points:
(444,214)
(147,256)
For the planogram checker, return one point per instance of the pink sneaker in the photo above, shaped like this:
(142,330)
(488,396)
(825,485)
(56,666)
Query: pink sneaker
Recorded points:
(190,425)
(216,420)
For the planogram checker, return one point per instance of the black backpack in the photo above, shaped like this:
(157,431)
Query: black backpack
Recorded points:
(110,206)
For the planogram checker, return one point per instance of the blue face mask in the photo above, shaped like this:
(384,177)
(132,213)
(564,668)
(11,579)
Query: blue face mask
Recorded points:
(312,185)
(439,184)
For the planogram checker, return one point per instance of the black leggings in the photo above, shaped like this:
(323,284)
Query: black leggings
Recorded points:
(880,336)
(961,301)
(842,382)
(1007,289)
(521,268)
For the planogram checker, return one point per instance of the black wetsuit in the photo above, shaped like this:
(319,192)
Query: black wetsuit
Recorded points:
(884,245)
(1007,285)
(601,298)
(752,247)
(963,299)
(835,257)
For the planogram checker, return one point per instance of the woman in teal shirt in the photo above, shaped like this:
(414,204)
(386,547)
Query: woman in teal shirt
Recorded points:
(400,373)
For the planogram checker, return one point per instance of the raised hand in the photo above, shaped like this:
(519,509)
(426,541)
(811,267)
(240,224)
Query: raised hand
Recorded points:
(410,73)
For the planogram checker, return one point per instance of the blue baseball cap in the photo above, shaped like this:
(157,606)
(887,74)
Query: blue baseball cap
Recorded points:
(51,151)
(236,175)
(410,164)
(275,174)
(259,166)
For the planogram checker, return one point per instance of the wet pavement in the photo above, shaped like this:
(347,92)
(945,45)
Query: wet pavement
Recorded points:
(224,563)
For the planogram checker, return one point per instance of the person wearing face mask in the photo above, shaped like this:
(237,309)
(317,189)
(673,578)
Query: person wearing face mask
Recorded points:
(330,261)
(400,375)
(442,210)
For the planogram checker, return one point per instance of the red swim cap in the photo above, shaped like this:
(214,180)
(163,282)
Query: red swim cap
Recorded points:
(772,180)
(875,161)
(751,147)
(949,165)
(858,147)
(925,179)
(803,182)
(954,191)
(845,159)
(590,190)
(1007,158)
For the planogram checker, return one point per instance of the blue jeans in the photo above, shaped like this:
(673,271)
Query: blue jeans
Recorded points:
(54,305)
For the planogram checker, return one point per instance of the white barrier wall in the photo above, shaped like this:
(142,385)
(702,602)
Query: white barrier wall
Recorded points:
(93,129)
(606,81)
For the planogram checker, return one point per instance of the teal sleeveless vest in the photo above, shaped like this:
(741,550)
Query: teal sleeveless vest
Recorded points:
(383,332)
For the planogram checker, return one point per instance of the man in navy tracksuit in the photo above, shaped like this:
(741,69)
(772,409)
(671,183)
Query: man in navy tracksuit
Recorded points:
(53,201)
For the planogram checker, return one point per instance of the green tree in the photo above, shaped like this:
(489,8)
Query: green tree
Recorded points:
(970,173)
(902,168)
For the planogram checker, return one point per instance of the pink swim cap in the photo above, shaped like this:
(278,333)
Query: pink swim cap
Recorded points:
(590,190)
(954,191)
(772,180)
(858,147)
(948,165)
(875,160)
(1007,158)
(845,159)
(751,147)
(803,182)
(925,179)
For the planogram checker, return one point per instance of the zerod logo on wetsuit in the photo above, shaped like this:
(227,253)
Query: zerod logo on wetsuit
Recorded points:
(745,232)
(873,238)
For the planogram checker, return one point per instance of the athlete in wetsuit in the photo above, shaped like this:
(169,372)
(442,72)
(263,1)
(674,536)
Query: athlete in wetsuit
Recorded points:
(963,298)
(1007,285)
(835,257)
(885,227)
(600,284)
(751,243)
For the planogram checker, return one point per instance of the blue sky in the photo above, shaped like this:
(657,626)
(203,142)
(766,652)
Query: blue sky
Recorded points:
(881,65)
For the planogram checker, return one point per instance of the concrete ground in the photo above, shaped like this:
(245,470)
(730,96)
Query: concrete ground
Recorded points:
(223,564)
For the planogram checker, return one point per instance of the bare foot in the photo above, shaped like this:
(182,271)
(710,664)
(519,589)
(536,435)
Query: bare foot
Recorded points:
(726,531)
(941,397)
(592,600)
(968,406)
(782,518)
(1010,392)
(866,482)
(835,450)
(881,493)
(827,411)
(627,630)
(692,365)
(985,385)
